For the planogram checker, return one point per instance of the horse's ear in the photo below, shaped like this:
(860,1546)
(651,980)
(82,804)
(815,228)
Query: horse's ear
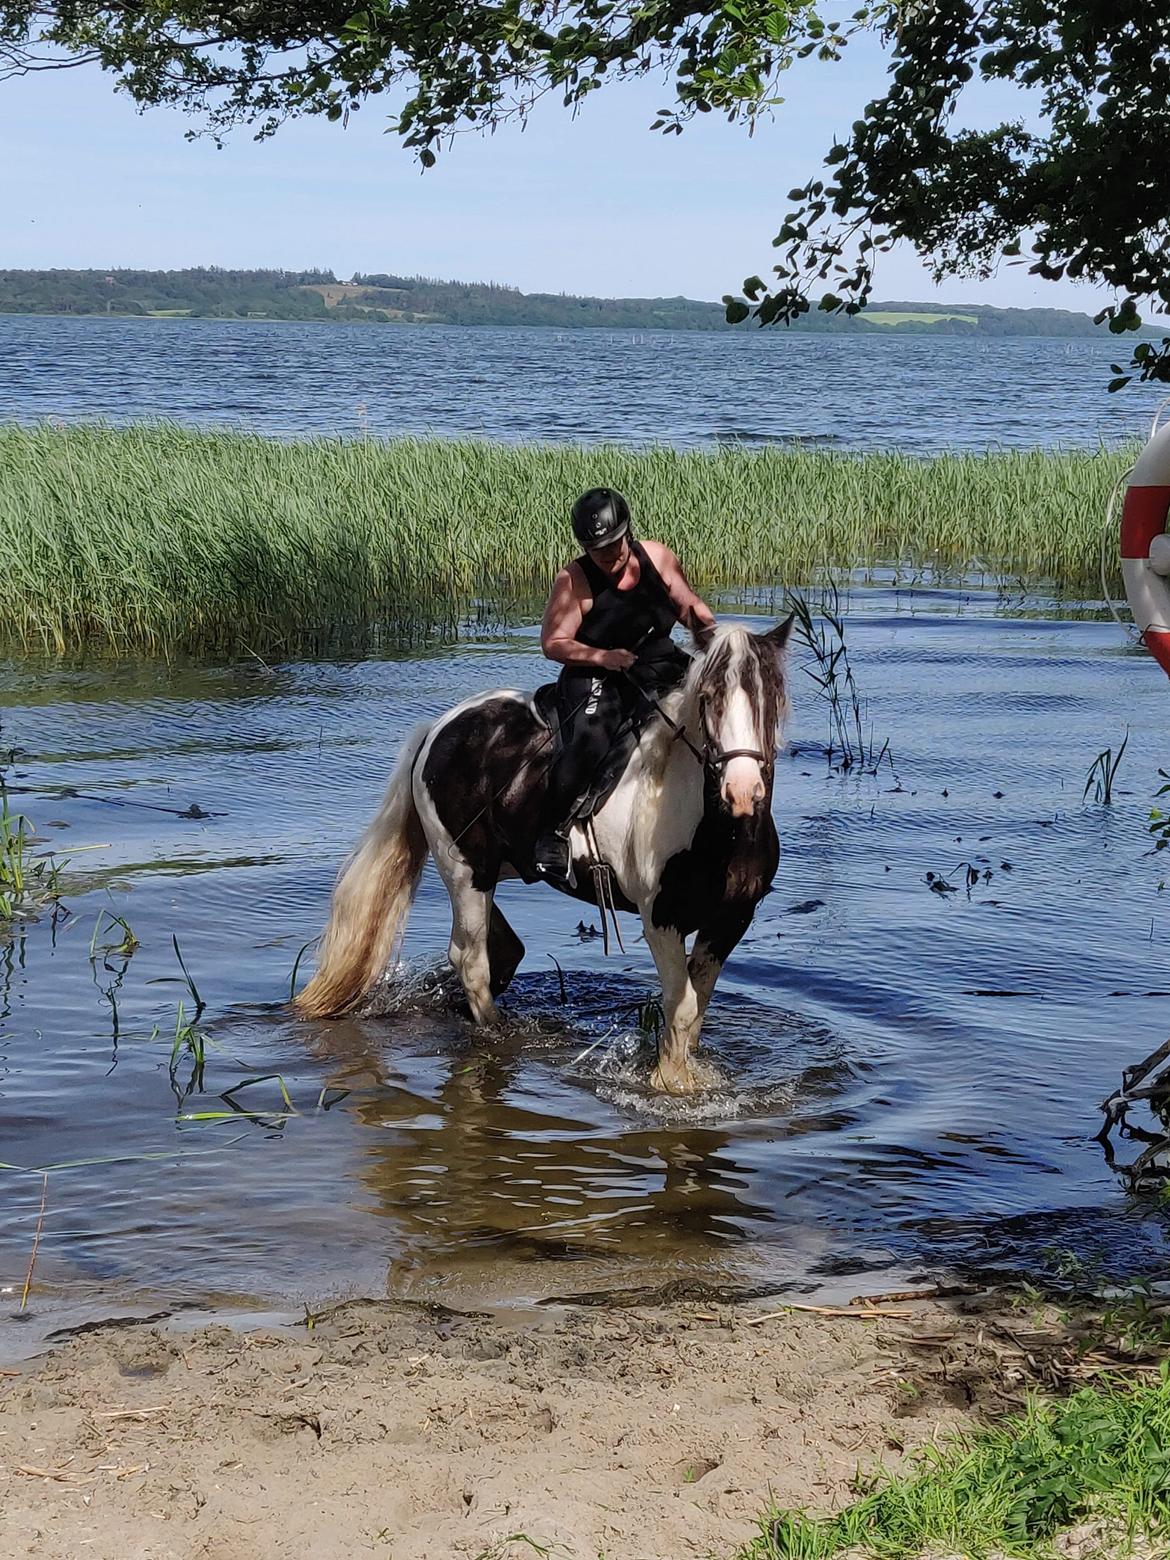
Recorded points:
(779,636)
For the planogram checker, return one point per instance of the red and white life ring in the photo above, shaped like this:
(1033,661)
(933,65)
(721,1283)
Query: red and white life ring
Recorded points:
(1145,546)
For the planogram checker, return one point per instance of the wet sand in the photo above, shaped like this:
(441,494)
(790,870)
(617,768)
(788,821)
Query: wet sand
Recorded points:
(418,1433)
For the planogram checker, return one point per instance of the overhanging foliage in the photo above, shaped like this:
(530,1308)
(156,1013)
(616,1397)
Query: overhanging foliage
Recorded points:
(1076,186)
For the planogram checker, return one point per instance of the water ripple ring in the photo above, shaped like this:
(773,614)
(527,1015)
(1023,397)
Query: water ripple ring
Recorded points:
(1145,546)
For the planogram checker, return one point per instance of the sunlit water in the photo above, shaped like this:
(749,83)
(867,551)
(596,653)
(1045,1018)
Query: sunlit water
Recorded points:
(903,1080)
(692,388)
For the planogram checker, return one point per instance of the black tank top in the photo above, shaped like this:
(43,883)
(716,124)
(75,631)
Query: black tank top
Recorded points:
(627,619)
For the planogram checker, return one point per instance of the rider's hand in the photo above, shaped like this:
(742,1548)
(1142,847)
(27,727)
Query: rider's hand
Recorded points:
(618,660)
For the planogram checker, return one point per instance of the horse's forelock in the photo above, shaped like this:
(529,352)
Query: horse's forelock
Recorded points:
(737,658)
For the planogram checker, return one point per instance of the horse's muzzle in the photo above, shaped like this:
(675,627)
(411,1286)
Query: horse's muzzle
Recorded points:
(742,789)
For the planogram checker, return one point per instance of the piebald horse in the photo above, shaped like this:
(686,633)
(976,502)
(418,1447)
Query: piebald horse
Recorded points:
(687,832)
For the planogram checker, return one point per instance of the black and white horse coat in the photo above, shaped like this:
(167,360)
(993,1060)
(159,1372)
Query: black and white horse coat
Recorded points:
(687,832)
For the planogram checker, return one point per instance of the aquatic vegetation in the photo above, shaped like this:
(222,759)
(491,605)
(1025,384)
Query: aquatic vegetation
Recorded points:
(27,883)
(823,632)
(163,537)
(1103,772)
(127,945)
(185,979)
(189,1044)
(1159,818)
(1099,1456)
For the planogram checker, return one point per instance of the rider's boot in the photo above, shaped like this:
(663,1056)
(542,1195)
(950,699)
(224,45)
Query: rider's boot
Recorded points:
(551,858)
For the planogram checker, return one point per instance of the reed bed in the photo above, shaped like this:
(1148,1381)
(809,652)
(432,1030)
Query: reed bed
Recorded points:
(161,537)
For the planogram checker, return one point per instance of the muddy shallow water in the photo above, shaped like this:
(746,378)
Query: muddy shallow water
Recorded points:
(910,1078)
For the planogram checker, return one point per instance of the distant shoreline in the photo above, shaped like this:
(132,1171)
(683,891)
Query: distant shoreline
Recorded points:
(876,331)
(317,296)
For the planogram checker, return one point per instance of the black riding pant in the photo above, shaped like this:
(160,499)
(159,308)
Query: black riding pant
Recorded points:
(595,706)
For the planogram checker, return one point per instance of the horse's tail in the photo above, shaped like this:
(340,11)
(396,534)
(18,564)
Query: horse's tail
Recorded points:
(373,896)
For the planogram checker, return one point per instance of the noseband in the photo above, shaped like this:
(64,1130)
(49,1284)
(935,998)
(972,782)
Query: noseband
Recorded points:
(715,758)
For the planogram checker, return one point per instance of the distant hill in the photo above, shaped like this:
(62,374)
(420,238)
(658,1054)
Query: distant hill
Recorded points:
(211,292)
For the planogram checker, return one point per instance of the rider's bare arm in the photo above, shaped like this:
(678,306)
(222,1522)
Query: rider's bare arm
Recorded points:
(567,606)
(693,611)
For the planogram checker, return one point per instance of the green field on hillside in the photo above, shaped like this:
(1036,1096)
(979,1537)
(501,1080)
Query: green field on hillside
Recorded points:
(916,317)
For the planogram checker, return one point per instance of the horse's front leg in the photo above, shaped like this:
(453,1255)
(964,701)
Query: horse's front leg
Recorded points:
(713,946)
(683,1016)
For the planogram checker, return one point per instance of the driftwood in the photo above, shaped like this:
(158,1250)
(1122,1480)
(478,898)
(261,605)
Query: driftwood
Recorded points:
(1146,1083)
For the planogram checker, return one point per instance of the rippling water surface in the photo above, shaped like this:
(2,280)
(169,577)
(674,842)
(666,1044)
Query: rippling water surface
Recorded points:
(686,388)
(910,1079)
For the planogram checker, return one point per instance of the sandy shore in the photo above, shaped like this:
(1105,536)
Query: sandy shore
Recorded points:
(417,1434)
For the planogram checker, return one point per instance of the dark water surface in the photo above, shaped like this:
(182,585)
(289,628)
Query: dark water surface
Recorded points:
(911,1078)
(913,393)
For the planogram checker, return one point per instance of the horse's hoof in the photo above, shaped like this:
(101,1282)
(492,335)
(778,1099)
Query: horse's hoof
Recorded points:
(673,1080)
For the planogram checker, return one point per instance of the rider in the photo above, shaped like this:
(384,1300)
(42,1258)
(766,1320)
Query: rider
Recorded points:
(608,623)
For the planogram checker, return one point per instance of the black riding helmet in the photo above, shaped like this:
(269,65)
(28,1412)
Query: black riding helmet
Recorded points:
(600,517)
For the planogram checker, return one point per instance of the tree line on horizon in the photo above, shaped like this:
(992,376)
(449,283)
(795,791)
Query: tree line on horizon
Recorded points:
(214,292)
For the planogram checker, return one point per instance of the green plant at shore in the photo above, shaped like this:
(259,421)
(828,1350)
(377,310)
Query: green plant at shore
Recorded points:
(1100,1455)
(158,537)
(27,883)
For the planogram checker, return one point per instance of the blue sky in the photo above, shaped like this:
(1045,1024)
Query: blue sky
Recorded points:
(595,204)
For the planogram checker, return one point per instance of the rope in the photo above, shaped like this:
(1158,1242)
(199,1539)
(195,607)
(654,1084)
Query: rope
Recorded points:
(1108,528)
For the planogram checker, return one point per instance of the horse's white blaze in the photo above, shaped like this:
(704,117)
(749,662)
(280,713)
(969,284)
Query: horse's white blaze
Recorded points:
(742,785)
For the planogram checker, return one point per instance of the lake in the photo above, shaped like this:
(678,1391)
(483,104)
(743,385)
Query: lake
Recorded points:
(916,393)
(910,1077)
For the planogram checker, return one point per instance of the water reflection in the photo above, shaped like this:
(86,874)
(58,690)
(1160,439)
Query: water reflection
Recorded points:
(481,1152)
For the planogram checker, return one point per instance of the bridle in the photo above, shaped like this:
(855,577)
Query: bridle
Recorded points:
(716,758)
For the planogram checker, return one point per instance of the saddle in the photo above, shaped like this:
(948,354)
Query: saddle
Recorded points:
(546,701)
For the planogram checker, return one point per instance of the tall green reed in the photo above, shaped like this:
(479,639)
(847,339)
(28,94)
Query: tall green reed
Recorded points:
(160,537)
